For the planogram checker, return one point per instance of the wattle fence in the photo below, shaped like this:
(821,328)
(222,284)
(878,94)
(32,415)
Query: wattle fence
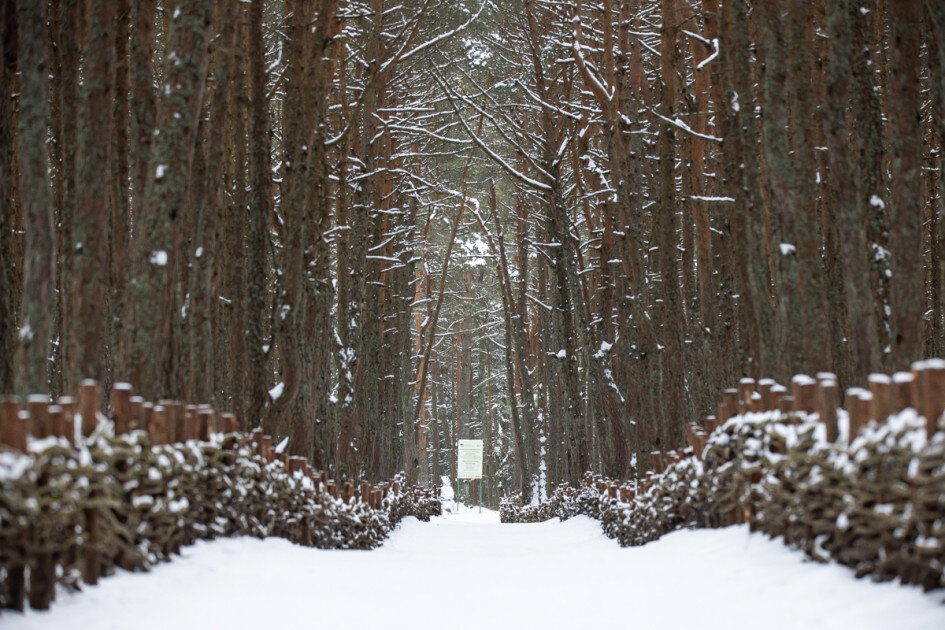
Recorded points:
(82,495)
(862,484)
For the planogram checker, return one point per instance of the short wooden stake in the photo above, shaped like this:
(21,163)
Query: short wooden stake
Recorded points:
(828,400)
(804,391)
(904,384)
(68,405)
(121,407)
(12,429)
(37,405)
(884,403)
(90,403)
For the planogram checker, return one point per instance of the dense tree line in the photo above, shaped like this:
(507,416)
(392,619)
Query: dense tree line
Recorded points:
(377,227)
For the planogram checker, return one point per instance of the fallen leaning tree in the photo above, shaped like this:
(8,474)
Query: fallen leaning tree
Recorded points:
(863,486)
(131,491)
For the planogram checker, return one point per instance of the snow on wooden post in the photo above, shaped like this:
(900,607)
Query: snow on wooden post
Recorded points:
(904,384)
(828,399)
(90,402)
(37,405)
(331,488)
(121,407)
(804,392)
(883,404)
(931,393)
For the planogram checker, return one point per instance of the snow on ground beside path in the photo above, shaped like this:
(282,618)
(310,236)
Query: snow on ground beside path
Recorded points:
(468,571)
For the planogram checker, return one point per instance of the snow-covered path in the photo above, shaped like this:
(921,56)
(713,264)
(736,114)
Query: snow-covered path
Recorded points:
(466,571)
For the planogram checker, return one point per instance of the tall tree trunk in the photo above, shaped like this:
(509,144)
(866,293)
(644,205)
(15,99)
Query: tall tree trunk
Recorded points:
(36,330)
(907,299)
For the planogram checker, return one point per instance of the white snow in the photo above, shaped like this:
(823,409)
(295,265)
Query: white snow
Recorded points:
(276,392)
(159,258)
(468,571)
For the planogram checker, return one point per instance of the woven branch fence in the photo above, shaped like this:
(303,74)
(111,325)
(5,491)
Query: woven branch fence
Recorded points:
(82,495)
(862,484)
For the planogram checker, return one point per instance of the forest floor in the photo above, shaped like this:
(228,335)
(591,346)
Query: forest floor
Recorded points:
(468,571)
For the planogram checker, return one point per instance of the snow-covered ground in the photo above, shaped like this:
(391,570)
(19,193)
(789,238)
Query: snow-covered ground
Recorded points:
(468,571)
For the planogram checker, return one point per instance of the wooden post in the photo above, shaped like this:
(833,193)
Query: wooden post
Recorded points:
(696,440)
(178,416)
(828,399)
(932,394)
(139,421)
(68,404)
(711,424)
(746,388)
(857,402)
(884,403)
(267,448)
(767,399)
(13,435)
(365,489)
(786,404)
(90,403)
(191,429)
(57,421)
(204,422)
(804,391)
(904,384)
(121,407)
(37,405)
(157,427)
(778,392)
(229,423)
(12,429)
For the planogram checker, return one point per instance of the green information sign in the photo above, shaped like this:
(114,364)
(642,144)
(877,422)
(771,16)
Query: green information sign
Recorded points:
(469,460)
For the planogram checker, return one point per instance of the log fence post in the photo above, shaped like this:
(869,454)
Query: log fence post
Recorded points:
(121,407)
(90,403)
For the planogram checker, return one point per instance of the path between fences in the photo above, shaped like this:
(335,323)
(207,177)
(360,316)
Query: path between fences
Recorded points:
(468,572)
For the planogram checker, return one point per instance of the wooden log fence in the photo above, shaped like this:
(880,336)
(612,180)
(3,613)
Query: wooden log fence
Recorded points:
(862,483)
(32,565)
